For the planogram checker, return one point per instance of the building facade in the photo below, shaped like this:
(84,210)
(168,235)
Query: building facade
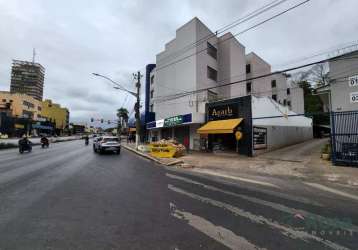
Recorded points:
(21,105)
(197,59)
(340,97)
(27,78)
(56,114)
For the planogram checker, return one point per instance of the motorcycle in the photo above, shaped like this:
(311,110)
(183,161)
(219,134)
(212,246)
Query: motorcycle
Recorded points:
(45,143)
(25,147)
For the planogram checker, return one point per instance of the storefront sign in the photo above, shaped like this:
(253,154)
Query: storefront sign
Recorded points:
(238,135)
(170,122)
(354,97)
(260,138)
(173,121)
(159,123)
(353,81)
(223,112)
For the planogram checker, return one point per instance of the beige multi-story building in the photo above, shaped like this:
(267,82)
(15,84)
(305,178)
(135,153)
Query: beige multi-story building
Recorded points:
(20,105)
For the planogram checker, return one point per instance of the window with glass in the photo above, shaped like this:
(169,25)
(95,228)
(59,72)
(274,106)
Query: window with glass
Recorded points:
(212,73)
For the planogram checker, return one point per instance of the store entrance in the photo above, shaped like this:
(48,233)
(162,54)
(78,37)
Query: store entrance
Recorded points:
(222,142)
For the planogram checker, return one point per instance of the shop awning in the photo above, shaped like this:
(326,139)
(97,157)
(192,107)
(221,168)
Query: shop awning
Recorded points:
(132,129)
(220,127)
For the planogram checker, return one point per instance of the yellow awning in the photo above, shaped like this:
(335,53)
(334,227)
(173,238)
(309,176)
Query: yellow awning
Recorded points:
(220,127)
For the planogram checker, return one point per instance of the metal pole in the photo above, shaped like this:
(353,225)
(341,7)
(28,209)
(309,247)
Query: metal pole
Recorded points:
(137,111)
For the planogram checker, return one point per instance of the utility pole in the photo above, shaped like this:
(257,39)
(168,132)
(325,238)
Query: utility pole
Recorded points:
(137,109)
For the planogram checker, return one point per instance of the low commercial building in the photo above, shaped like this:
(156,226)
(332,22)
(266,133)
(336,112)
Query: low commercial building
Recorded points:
(252,125)
(53,112)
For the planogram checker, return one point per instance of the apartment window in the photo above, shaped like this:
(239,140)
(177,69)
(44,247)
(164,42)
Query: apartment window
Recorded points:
(3,100)
(288,91)
(151,93)
(248,68)
(39,108)
(274,97)
(212,74)
(284,102)
(273,84)
(248,88)
(28,104)
(151,79)
(151,108)
(212,51)
(289,103)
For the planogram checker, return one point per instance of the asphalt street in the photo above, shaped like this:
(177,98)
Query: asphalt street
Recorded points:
(67,197)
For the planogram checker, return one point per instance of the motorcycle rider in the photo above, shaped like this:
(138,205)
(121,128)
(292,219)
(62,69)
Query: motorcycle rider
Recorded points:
(24,142)
(86,139)
(44,141)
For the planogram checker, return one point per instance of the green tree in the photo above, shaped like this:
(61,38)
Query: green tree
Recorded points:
(123,117)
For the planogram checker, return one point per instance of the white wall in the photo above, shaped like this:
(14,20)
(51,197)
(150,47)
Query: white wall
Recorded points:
(281,136)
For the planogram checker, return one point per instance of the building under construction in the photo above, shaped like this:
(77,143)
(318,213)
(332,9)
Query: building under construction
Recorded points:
(27,78)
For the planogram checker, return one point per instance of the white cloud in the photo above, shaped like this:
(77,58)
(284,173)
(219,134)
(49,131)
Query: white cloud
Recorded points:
(115,38)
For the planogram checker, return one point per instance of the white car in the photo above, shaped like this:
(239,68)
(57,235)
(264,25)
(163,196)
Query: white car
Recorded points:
(107,143)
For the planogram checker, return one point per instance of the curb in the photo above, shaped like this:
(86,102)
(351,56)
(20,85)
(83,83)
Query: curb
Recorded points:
(151,157)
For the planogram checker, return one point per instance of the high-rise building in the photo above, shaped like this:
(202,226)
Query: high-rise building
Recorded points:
(27,78)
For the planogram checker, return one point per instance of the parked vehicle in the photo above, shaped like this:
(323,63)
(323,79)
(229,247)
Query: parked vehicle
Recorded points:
(107,144)
(25,145)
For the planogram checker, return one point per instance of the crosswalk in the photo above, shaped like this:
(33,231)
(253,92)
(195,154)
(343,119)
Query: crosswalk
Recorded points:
(283,222)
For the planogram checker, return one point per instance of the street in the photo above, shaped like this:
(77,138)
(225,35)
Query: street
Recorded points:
(67,197)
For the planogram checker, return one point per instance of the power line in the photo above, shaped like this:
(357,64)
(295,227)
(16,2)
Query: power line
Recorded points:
(246,18)
(258,77)
(282,64)
(239,33)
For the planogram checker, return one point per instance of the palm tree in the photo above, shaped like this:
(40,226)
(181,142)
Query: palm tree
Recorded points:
(123,117)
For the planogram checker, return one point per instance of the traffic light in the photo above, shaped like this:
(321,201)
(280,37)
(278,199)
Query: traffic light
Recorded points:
(92,120)
(101,120)
(109,122)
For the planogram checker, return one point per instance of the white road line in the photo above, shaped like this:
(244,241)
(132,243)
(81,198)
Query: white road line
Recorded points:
(332,190)
(218,233)
(276,206)
(236,178)
(289,232)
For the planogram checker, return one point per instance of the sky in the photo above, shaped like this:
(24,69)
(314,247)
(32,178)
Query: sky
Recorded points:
(117,38)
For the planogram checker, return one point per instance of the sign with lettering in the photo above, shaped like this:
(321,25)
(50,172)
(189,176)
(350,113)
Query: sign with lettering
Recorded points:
(260,138)
(159,123)
(353,81)
(354,97)
(173,121)
(223,112)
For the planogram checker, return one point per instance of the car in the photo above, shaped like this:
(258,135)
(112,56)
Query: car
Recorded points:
(107,144)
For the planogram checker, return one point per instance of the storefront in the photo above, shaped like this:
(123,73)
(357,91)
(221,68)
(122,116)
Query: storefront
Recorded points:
(228,126)
(252,125)
(176,127)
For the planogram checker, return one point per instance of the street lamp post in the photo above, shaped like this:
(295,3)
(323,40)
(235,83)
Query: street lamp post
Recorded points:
(136,95)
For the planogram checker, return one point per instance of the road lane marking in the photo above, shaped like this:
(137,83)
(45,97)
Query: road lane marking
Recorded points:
(276,206)
(237,178)
(289,232)
(332,190)
(273,193)
(218,233)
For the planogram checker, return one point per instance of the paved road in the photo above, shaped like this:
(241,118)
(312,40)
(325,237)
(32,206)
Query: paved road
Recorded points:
(67,197)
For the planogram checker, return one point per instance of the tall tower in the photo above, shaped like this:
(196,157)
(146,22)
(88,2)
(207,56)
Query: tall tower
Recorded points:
(27,78)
